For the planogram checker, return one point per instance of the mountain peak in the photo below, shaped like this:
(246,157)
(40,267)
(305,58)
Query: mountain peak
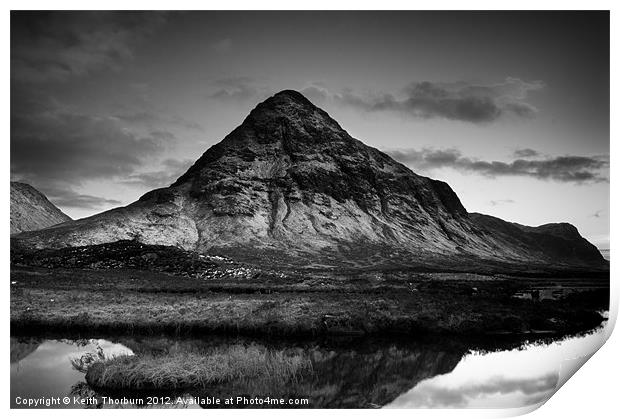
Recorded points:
(292,106)
(291,95)
(290,184)
(286,101)
(285,126)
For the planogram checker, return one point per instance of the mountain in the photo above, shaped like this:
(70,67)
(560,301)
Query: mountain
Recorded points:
(31,210)
(289,185)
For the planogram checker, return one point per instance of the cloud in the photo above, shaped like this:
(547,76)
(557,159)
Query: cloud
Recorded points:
(526,152)
(58,150)
(58,45)
(151,118)
(316,92)
(575,169)
(64,196)
(171,170)
(73,147)
(459,101)
(237,89)
(68,198)
(163,135)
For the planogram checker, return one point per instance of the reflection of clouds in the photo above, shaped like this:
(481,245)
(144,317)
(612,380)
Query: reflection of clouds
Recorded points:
(51,354)
(523,391)
(505,379)
(48,372)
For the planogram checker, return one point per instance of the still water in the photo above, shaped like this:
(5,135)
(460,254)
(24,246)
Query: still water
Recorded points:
(368,374)
(504,379)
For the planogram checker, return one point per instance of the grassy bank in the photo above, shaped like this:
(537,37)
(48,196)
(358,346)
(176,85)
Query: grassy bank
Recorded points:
(195,370)
(374,303)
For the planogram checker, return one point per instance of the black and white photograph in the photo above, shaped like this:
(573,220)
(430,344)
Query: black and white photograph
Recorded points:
(311,209)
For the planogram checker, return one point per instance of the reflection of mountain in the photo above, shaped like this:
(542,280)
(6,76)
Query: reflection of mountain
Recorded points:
(365,374)
(22,347)
(351,378)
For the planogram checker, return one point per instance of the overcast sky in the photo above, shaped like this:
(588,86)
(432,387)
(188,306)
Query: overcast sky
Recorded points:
(511,109)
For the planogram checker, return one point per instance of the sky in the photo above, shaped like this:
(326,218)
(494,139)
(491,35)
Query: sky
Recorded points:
(510,108)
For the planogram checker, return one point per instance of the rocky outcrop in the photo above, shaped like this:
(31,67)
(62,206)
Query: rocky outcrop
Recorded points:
(31,210)
(132,255)
(289,185)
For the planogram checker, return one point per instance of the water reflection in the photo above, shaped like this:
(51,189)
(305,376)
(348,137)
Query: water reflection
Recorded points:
(345,374)
(43,368)
(504,379)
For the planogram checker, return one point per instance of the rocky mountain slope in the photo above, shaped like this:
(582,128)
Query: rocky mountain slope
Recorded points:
(289,185)
(31,210)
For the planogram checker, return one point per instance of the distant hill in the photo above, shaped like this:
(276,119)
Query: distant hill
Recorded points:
(31,210)
(290,185)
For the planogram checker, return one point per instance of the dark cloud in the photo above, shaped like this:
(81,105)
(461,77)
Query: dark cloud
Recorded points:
(460,101)
(54,46)
(476,103)
(171,170)
(73,148)
(58,149)
(526,152)
(576,169)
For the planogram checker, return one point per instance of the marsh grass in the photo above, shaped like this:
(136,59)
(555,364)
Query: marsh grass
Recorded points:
(112,302)
(195,370)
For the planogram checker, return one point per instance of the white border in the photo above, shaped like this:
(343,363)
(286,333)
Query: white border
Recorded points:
(592,393)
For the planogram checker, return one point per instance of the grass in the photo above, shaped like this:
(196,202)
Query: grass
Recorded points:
(374,303)
(195,370)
